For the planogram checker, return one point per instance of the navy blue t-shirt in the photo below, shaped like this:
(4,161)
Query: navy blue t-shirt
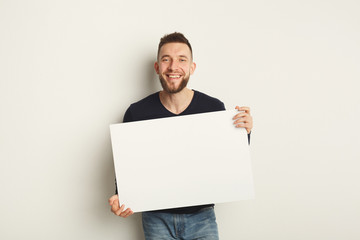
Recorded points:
(151,107)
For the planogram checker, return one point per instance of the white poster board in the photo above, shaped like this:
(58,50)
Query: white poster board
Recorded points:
(181,161)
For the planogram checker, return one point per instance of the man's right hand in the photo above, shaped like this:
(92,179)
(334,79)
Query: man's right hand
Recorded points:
(119,210)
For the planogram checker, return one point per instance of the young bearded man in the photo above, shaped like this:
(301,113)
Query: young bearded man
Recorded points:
(174,66)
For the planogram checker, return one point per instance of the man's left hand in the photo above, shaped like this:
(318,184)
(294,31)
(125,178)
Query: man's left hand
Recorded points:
(243,119)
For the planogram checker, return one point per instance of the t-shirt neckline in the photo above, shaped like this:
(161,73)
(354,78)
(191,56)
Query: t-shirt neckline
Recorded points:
(188,107)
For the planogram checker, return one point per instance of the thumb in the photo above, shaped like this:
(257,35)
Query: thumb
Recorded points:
(112,199)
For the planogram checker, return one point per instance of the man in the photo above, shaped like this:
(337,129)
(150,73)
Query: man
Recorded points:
(174,66)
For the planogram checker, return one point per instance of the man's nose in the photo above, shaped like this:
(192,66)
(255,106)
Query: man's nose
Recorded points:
(173,65)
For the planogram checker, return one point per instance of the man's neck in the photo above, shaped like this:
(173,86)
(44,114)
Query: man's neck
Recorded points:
(176,102)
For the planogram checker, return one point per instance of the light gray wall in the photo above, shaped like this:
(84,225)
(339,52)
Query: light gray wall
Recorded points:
(68,69)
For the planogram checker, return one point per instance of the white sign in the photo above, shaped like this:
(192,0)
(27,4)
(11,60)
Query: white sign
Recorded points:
(181,161)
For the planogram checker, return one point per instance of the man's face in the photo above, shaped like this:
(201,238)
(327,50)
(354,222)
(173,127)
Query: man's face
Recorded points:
(174,66)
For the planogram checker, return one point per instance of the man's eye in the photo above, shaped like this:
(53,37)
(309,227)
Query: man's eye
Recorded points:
(182,60)
(165,60)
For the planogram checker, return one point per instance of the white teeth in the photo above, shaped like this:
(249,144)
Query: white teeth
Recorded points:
(174,76)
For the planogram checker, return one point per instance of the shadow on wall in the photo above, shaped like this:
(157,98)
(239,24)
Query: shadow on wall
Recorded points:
(152,80)
(106,188)
(147,82)
(131,226)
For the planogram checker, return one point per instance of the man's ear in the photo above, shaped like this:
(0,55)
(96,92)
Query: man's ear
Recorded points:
(156,67)
(192,68)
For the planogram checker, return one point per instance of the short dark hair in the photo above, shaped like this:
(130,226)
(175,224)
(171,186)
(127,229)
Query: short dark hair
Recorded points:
(175,37)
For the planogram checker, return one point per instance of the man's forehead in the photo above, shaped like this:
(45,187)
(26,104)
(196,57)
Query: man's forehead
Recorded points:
(175,49)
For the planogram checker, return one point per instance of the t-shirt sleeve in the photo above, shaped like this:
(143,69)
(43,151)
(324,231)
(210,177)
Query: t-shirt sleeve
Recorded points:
(222,106)
(218,105)
(128,116)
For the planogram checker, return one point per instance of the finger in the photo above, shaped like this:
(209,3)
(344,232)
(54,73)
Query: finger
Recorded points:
(239,115)
(239,121)
(243,119)
(129,214)
(240,125)
(116,203)
(247,126)
(115,207)
(112,199)
(120,210)
(126,213)
(246,109)
(243,124)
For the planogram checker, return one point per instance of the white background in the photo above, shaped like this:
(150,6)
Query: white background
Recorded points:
(68,69)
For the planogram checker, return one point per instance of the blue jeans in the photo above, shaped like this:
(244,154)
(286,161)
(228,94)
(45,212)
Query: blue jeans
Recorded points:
(200,225)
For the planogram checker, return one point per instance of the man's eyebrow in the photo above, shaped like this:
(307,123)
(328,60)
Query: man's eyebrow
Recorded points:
(180,56)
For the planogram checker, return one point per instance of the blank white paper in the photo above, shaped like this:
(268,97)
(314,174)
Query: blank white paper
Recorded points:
(181,161)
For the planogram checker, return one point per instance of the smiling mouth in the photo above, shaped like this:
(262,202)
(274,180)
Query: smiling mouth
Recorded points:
(173,76)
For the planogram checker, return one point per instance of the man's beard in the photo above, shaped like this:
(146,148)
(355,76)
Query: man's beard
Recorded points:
(181,86)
